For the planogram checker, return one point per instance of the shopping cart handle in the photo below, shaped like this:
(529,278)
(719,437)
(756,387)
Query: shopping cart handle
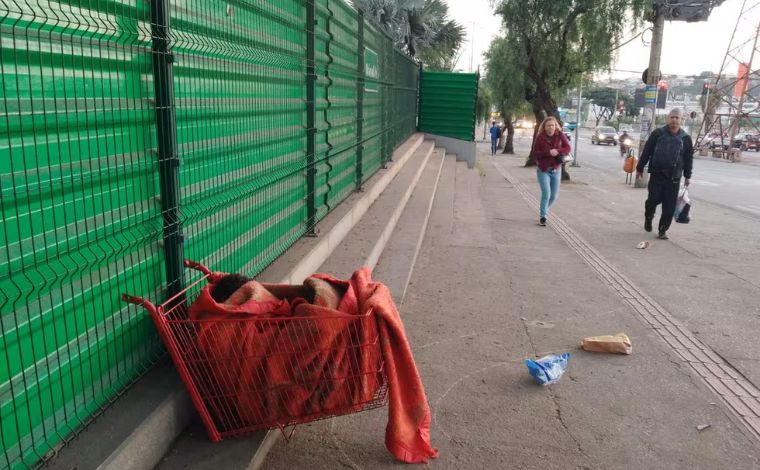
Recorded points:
(138,301)
(197,266)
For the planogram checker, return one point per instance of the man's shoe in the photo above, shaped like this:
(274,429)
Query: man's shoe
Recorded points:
(542,222)
(662,236)
(648,224)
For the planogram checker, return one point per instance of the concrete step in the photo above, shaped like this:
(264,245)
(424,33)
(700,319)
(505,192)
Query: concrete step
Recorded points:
(365,243)
(398,218)
(141,427)
(395,266)
(368,234)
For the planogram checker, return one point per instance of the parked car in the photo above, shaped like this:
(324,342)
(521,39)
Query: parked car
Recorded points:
(716,141)
(604,135)
(748,141)
(626,128)
(571,126)
(567,131)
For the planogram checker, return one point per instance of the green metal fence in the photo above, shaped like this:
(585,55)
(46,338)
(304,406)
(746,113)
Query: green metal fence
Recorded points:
(447,104)
(138,133)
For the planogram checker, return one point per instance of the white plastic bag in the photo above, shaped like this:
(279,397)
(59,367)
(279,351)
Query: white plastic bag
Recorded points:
(683,207)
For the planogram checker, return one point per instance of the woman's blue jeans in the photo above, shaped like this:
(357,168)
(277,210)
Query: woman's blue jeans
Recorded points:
(548,181)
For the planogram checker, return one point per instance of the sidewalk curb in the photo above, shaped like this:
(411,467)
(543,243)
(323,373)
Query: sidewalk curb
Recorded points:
(153,437)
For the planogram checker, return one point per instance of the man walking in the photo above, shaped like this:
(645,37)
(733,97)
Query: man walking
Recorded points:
(670,154)
(495,134)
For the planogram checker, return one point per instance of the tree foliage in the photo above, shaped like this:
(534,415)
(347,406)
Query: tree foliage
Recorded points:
(506,84)
(554,43)
(558,41)
(421,28)
(604,102)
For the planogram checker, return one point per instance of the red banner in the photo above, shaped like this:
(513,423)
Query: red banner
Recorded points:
(742,79)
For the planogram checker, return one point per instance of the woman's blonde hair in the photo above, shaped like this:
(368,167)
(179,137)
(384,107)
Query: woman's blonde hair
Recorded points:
(543,123)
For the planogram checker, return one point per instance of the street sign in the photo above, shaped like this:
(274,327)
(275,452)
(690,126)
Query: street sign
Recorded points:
(650,95)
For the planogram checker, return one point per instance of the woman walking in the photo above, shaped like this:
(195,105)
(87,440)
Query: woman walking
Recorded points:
(549,147)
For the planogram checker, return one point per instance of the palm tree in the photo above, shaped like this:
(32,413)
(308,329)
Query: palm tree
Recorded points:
(419,27)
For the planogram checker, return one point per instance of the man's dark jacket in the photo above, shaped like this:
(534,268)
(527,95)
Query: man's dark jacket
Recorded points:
(684,162)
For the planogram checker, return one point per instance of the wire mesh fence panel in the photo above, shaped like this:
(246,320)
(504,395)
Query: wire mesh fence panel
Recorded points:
(336,108)
(240,108)
(136,134)
(373,119)
(80,219)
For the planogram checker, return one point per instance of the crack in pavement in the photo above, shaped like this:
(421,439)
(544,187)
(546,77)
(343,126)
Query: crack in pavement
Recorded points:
(557,407)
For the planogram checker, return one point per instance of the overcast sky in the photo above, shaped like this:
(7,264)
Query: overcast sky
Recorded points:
(688,48)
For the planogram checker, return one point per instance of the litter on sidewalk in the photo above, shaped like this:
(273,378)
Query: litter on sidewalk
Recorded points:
(643,245)
(616,344)
(548,369)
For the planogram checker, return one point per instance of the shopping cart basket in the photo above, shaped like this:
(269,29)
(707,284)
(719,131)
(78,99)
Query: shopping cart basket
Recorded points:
(250,373)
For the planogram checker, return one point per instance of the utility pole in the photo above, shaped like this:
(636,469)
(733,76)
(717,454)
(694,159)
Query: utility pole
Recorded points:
(578,122)
(648,119)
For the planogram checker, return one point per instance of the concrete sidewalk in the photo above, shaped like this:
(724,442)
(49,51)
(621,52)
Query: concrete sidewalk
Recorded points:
(491,288)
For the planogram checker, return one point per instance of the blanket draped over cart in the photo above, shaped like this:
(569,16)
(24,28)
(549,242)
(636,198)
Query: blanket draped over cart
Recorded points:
(279,369)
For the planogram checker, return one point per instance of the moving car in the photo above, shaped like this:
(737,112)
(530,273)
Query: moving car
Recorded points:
(604,135)
(571,126)
(523,124)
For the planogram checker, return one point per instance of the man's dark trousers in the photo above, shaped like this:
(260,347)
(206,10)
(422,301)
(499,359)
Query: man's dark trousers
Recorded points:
(662,189)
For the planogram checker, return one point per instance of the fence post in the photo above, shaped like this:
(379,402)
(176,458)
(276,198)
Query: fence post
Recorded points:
(360,105)
(311,117)
(166,134)
(383,89)
(419,97)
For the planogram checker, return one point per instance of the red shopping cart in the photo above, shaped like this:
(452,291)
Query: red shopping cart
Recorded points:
(251,373)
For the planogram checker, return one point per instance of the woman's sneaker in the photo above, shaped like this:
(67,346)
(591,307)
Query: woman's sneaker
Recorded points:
(542,222)
(648,223)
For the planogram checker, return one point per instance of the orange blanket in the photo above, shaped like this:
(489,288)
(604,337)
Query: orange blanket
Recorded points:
(282,367)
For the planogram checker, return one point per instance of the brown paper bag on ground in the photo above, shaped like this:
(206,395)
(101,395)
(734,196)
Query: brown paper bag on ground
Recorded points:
(618,344)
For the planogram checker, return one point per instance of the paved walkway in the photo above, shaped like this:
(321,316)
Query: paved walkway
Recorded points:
(491,288)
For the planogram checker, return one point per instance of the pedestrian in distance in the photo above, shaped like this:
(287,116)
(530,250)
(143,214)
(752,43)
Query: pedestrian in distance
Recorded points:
(670,154)
(549,148)
(495,134)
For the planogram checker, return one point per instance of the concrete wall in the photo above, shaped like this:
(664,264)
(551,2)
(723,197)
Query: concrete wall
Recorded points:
(464,150)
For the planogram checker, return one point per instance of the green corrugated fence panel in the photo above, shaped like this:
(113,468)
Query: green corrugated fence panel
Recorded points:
(81,201)
(81,223)
(447,104)
(240,105)
(373,118)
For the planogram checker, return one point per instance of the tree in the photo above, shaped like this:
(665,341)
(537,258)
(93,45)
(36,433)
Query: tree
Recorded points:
(506,83)
(558,41)
(483,106)
(421,28)
(604,102)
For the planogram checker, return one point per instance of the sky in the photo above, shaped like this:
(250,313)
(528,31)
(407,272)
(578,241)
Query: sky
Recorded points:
(688,48)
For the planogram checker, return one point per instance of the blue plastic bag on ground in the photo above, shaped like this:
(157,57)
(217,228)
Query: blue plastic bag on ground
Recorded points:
(548,369)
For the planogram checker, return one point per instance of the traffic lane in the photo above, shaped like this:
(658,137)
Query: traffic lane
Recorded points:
(732,186)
